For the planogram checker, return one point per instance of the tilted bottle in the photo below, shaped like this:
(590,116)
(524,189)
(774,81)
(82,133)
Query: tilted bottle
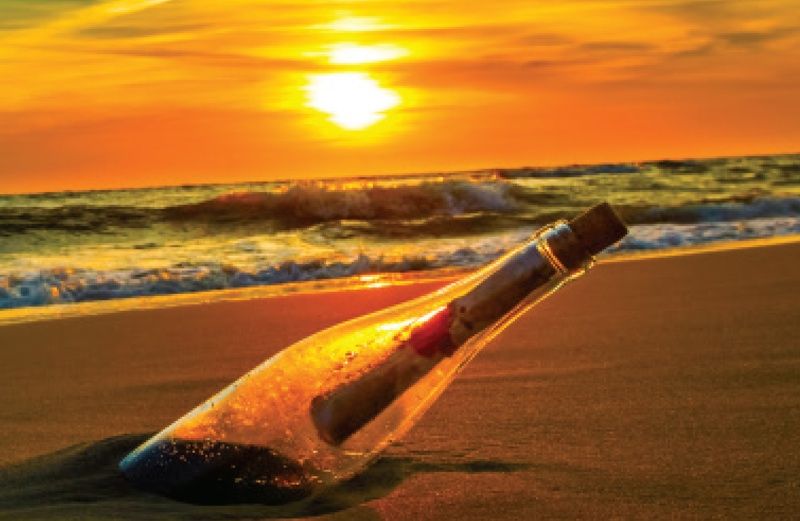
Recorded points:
(318,411)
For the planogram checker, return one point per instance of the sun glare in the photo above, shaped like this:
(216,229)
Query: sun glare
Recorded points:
(353,54)
(356,24)
(353,100)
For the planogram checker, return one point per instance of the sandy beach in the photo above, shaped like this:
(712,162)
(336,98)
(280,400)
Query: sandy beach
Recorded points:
(659,388)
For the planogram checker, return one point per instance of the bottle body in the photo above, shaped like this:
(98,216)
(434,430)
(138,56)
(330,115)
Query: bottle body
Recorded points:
(318,411)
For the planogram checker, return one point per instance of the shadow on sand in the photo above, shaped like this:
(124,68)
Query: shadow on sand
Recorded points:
(82,482)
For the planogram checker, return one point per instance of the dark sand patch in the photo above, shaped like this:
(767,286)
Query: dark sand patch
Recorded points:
(82,482)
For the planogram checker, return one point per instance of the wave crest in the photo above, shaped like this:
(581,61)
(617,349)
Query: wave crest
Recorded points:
(315,203)
(735,208)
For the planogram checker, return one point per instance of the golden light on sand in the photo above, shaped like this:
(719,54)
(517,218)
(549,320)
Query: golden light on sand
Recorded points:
(353,53)
(352,100)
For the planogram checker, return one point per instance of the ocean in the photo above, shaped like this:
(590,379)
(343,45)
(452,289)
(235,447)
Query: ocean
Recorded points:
(68,247)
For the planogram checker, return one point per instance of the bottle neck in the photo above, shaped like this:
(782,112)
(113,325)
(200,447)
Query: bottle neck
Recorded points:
(562,249)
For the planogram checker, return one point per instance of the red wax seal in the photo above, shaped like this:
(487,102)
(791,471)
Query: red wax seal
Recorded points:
(432,334)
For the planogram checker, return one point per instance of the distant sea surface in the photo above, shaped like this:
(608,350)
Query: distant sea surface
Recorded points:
(99,245)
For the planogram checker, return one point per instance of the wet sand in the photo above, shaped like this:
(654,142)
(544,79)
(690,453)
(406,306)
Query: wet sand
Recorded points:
(655,388)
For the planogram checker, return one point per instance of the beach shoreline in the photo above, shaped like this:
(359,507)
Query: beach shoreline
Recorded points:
(650,388)
(355,283)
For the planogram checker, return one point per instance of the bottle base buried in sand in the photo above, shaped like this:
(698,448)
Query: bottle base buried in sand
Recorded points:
(318,411)
(217,473)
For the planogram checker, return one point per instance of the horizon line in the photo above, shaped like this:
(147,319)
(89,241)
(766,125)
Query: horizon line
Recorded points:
(400,175)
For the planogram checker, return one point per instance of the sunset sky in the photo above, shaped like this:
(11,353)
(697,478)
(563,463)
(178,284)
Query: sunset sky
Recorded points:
(100,94)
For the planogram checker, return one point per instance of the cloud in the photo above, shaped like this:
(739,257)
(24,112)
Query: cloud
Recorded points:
(75,15)
(22,14)
(136,31)
(704,49)
(714,43)
(703,11)
(217,59)
(545,39)
(756,38)
(617,46)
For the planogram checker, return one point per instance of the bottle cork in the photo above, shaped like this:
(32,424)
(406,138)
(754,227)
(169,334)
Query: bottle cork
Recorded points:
(598,228)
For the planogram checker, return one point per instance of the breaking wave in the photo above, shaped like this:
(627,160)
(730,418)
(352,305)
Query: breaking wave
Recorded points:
(84,246)
(450,208)
(300,205)
(63,285)
(734,208)
(314,203)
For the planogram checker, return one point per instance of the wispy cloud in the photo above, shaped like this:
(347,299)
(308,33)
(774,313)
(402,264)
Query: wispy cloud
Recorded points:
(113,32)
(67,16)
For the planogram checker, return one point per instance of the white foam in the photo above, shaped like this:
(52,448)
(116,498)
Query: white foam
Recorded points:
(53,286)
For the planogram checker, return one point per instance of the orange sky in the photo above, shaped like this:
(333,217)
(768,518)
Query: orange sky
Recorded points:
(99,94)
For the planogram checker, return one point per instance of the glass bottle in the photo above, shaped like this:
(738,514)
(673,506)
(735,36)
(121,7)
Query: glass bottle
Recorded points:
(320,410)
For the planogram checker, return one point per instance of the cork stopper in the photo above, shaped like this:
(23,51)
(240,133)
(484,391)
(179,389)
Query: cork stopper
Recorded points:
(598,228)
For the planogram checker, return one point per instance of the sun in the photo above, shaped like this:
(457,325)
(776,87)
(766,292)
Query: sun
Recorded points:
(352,100)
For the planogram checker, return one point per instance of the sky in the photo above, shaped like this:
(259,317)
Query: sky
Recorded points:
(126,93)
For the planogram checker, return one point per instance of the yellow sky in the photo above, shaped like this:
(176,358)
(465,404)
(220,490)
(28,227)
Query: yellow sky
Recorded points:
(99,94)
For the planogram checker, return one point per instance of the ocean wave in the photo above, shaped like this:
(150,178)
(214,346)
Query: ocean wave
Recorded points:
(444,205)
(299,205)
(670,235)
(732,208)
(162,240)
(310,203)
(443,209)
(73,218)
(438,226)
(570,171)
(63,285)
